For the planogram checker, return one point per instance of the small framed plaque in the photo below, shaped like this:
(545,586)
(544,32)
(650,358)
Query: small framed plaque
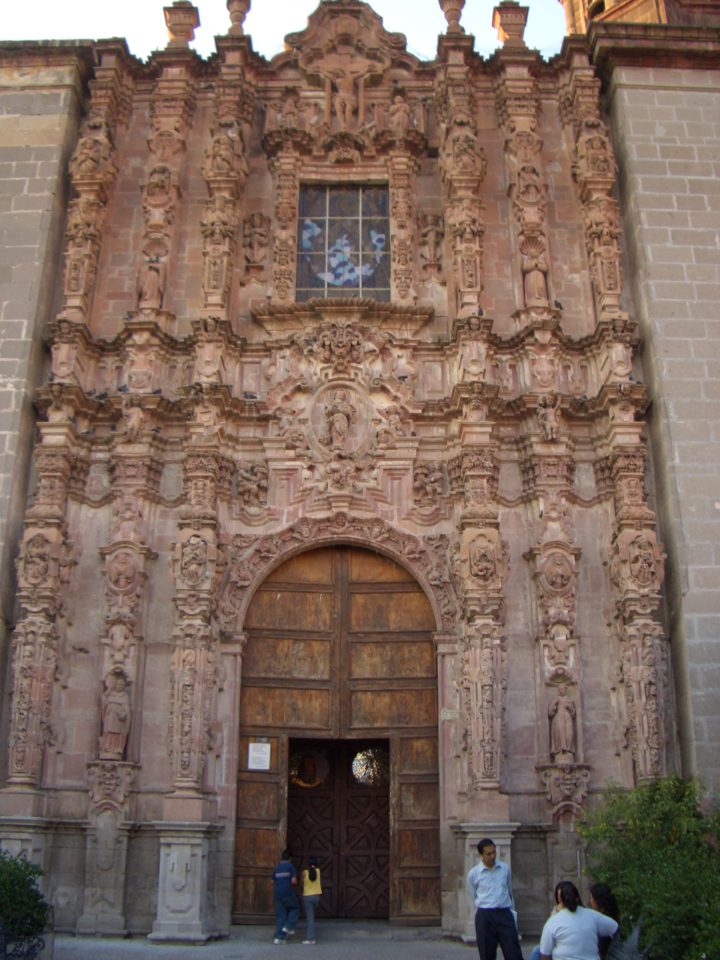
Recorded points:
(258,756)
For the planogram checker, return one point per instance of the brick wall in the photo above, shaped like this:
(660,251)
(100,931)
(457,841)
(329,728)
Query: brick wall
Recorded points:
(666,125)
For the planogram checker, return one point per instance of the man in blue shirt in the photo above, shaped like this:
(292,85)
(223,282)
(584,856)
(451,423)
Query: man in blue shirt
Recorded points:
(287,905)
(491,890)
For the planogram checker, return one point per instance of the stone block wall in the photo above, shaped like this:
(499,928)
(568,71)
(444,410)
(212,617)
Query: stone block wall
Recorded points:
(666,127)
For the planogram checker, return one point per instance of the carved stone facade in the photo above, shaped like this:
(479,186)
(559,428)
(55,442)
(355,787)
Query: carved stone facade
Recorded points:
(480,425)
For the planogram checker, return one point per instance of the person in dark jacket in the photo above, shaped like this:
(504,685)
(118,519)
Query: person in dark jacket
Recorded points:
(287,905)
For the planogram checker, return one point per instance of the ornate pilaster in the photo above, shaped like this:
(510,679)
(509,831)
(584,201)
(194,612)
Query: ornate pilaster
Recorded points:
(286,172)
(171,111)
(595,171)
(637,571)
(225,170)
(402,167)
(43,570)
(462,166)
(554,558)
(109,821)
(481,569)
(518,108)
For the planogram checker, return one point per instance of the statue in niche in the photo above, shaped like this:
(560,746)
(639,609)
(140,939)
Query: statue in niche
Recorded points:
(549,416)
(256,239)
(400,118)
(562,715)
(289,113)
(220,157)
(529,186)
(642,561)
(115,715)
(431,235)
(534,270)
(339,415)
(482,559)
(36,562)
(194,559)
(151,283)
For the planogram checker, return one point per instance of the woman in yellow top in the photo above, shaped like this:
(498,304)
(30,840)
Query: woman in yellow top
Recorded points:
(311,889)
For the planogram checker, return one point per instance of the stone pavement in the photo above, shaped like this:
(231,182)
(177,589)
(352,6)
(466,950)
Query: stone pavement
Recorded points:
(347,940)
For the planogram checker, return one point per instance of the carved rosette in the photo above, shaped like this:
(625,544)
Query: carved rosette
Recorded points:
(482,683)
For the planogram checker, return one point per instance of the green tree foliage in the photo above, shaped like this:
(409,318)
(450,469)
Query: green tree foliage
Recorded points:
(659,853)
(24,911)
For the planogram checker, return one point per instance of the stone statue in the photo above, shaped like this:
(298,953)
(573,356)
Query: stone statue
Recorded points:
(339,415)
(115,716)
(562,712)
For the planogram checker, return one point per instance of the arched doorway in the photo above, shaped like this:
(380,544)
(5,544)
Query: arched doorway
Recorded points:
(340,659)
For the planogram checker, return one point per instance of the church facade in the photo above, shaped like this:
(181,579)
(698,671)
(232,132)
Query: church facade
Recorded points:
(360,443)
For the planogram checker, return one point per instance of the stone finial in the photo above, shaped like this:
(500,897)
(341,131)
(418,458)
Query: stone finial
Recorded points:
(453,10)
(509,19)
(182,20)
(238,10)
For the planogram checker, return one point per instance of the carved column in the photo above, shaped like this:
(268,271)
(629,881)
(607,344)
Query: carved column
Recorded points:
(109,822)
(463,166)
(225,170)
(43,569)
(402,167)
(554,559)
(171,111)
(518,108)
(184,906)
(286,172)
(595,171)
(637,571)
(481,567)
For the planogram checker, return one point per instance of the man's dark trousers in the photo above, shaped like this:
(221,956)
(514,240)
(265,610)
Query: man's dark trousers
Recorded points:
(497,926)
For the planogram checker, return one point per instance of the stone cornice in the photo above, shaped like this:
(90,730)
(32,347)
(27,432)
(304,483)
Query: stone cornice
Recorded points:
(615,45)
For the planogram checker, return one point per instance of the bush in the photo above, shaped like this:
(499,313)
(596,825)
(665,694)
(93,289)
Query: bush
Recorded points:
(658,852)
(24,912)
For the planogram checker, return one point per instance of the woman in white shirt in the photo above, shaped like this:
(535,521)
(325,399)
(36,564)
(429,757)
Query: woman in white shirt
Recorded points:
(572,933)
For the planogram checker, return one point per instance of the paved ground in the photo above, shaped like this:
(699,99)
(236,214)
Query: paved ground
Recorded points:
(347,940)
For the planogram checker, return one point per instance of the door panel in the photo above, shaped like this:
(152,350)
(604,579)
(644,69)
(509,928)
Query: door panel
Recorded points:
(340,650)
(343,821)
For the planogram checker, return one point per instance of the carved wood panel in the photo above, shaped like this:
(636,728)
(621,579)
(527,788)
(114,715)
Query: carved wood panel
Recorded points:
(340,651)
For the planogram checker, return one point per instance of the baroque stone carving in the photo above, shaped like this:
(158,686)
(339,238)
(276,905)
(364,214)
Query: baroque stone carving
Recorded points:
(250,557)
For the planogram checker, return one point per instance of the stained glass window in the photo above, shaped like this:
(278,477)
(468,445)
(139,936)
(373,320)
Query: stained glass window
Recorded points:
(343,242)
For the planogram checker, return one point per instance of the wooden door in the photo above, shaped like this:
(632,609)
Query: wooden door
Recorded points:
(339,811)
(340,649)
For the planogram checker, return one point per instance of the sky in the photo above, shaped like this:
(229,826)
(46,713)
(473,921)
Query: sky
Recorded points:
(142,23)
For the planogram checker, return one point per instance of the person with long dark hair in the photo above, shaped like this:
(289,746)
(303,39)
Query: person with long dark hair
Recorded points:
(603,900)
(572,933)
(311,889)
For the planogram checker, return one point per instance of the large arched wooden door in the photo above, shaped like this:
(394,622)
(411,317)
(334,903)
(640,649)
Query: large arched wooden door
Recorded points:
(340,653)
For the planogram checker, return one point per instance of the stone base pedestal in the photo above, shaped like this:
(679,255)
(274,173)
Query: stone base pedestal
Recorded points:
(468,835)
(183,911)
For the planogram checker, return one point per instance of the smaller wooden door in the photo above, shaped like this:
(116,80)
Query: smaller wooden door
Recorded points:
(338,811)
